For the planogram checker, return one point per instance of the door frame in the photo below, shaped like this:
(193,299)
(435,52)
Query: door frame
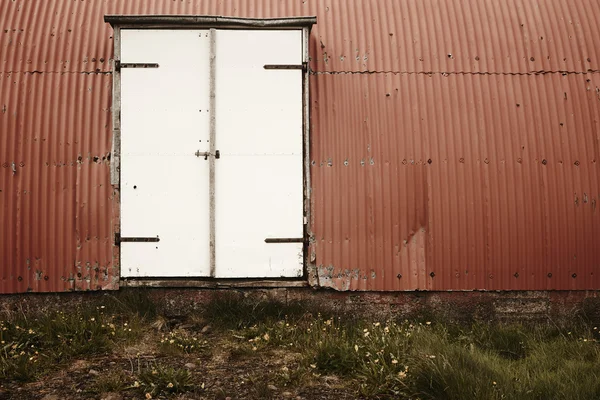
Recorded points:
(119,22)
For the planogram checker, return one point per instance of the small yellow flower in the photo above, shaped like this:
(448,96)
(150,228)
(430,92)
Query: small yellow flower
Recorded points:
(313,366)
(366,334)
(170,385)
(376,324)
(356,347)
(402,374)
(254,348)
(136,384)
(148,396)
(428,323)
(266,337)
(494,383)
(394,361)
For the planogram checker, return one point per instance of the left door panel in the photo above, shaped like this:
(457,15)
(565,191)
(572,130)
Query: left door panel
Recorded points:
(164,125)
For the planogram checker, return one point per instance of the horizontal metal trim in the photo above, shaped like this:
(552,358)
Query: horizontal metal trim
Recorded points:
(209,21)
(284,66)
(284,240)
(211,283)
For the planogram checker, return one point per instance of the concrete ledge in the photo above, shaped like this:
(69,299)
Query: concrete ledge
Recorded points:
(511,306)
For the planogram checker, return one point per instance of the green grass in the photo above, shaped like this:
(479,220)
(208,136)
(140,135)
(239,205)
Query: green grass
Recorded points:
(32,345)
(293,346)
(421,359)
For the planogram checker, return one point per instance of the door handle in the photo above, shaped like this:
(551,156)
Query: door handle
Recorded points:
(206,154)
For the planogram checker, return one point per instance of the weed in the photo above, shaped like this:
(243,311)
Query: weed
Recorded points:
(181,342)
(110,381)
(158,380)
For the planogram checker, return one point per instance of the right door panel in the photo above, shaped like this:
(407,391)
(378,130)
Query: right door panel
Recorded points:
(259,183)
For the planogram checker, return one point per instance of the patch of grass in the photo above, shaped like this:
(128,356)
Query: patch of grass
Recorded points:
(231,311)
(182,342)
(159,380)
(133,301)
(30,346)
(110,381)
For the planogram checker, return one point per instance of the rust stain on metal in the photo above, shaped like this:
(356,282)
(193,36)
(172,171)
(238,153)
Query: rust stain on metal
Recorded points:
(393,86)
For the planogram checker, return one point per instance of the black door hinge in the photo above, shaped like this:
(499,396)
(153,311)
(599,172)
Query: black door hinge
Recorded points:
(119,65)
(119,239)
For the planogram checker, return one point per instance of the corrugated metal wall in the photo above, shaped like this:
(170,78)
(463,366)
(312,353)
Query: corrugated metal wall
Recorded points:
(454,143)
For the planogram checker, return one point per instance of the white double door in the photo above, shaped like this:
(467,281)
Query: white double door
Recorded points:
(165,132)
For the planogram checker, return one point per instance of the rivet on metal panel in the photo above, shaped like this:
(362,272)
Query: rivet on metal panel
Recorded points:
(576,163)
(491,276)
(46,277)
(544,162)
(429,161)
(432,274)
(399,276)
(519,160)
(574,275)
(461,160)
(486,161)
(549,274)
(346,162)
(516,275)
(403,162)
(20,278)
(457,275)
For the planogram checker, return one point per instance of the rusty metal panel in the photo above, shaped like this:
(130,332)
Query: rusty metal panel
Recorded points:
(59,234)
(456,181)
(502,97)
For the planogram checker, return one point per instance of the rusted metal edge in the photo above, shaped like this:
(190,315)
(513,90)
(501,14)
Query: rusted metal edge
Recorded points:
(211,283)
(212,150)
(210,20)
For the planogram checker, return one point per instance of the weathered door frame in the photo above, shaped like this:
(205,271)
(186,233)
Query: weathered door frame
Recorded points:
(119,22)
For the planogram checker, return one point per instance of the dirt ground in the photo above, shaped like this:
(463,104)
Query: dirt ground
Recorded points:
(220,371)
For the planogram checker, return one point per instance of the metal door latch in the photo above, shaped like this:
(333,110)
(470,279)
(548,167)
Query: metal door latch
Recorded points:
(205,154)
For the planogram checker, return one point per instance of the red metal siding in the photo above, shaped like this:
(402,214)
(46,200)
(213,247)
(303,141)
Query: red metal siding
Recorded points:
(502,97)
(484,182)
